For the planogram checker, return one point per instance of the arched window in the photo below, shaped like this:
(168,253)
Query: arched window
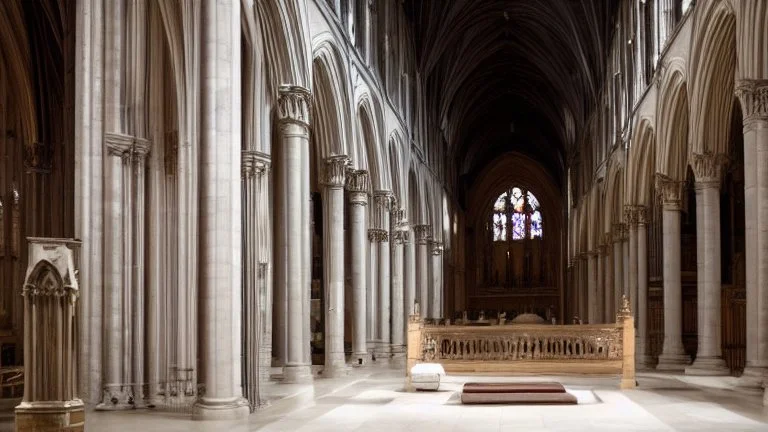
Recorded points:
(516,216)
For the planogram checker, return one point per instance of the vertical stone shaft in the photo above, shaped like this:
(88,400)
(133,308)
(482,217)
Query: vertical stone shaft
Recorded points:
(436,299)
(398,301)
(673,355)
(383,201)
(609,301)
(708,171)
(618,267)
(410,272)
(642,287)
(220,296)
(333,235)
(591,259)
(358,184)
(422,267)
(630,215)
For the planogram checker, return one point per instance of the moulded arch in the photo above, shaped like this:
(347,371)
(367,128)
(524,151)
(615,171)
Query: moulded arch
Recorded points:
(285,29)
(369,154)
(397,169)
(16,63)
(331,116)
(640,166)
(672,127)
(614,196)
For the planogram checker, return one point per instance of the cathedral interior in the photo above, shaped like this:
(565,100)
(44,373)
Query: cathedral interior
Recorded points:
(258,198)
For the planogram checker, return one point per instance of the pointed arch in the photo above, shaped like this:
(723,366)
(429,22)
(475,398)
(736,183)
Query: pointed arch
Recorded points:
(640,165)
(672,128)
(330,120)
(713,68)
(369,154)
(285,28)
(397,168)
(614,196)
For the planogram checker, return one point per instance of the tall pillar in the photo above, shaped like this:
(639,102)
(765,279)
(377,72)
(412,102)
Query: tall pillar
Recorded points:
(608,302)
(358,185)
(641,320)
(753,95)
(293,112)
(221,244)
(591,258)
(436,298)
(600,294)
(422,234)
(673,355)
(398,297)
(709,360)
(371,293)
(618,265)
(630,215)
(410,271)
(626,290)
(333,244)
(383,201)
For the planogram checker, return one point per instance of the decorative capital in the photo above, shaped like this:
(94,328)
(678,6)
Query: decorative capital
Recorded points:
(630,214)
(129,148)
(753,95)
(708,168)
(293,104)
(422,233)
(399,236)
(437,248)
(624,311)
(358,181)
(383,200)
(335,172)
(619,232)
(376,235)
(254,163)
(670,191)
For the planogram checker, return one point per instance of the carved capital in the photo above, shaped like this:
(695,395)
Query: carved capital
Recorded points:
(335,172)
(377,235)
(708,169)
(383,200)
(437,248)
(358,181)
(399,236)
(630,215)
(131,149)
(669,191)
(254,163)
(642,214)
(753,95)
(293,104)
(422,233)
(619,232)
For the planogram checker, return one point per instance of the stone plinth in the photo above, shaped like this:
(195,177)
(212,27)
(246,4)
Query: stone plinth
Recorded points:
(50,294)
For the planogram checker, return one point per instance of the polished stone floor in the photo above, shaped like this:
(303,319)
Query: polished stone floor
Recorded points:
(372,400)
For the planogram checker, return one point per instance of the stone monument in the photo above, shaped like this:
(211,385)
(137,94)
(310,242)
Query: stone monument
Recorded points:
(50,295)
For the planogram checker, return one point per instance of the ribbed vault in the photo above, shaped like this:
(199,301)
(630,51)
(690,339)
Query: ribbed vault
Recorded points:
(511,75)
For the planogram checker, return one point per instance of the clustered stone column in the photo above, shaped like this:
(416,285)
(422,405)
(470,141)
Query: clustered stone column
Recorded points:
(410,270)
(708,171)
(641,313)
(293,116)
(383,201)
(607,259)
(592,304)
(436,304)
(630,216)
(618,264)
(358,185)
(422,233)
(333,181)
(399,232)
(673,355)
(753,95)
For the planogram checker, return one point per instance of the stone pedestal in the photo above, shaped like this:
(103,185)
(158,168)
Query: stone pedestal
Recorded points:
(50,296)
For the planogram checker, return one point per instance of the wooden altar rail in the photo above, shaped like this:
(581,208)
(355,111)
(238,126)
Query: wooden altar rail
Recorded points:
(598,349)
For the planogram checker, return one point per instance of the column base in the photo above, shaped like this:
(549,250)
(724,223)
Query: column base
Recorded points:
(673,362)
(753,377)
(360,359)
(765,397)
(708,366)
(383,351)
(297,374)
(220,409)
(53,415)
(116,398)
(335,371)
(643,362)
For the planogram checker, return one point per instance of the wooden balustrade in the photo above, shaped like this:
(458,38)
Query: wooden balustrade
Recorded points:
(605,349)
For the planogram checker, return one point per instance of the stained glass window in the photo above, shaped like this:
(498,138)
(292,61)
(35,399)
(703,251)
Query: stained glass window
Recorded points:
(517,212)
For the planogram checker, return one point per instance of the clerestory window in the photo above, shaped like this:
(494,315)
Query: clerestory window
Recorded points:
(517,216)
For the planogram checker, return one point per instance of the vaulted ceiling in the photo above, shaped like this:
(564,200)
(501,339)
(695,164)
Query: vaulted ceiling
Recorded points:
(511,75)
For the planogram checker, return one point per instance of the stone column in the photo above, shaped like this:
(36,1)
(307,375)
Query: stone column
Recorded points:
(358,185)
(398,300)
(753,95)
(591,258)
(293,116)
(371,293)
(618,265)
(641,314)
(422,233)
(625,260)
(709,360)
(608,302)
(583,266)
(383,201)
(410,271)
(673,355)
(221,243)
(436,298)
(333,244)
(600,295)
(630,215)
